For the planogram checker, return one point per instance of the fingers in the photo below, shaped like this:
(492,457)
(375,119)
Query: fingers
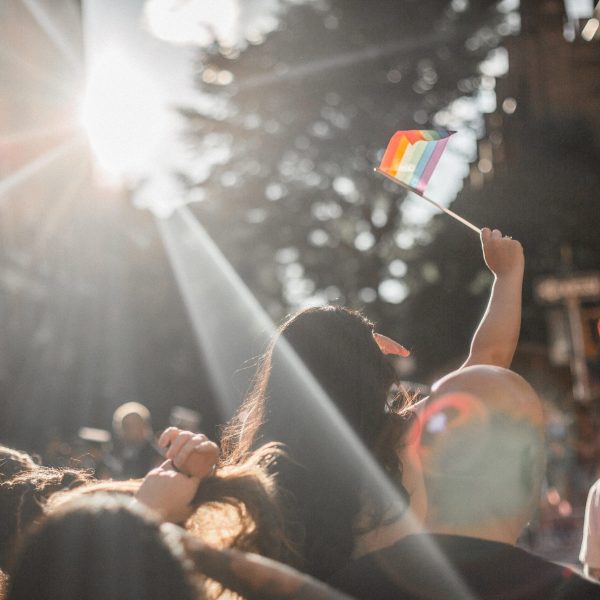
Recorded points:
(208,452)
(488,234)
(185,450)
(501,253)
(167,436)
(192,454)
(178,443)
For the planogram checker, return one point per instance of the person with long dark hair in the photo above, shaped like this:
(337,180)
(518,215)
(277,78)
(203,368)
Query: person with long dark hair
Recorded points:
(332,509)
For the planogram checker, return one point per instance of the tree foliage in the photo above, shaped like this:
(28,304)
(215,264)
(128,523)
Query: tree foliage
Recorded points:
(292,129)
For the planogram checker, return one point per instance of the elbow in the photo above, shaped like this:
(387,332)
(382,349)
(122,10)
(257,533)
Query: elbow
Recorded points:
(497,357)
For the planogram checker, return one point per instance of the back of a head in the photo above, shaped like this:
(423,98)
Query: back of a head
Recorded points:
(337,347)
(482,449)
(22,501)
(98,548)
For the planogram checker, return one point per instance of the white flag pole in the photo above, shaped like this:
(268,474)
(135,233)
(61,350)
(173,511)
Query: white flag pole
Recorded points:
(438,206)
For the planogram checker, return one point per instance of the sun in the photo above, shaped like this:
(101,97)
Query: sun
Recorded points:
(124,115)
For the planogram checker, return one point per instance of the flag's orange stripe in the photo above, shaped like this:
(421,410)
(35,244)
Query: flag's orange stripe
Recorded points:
(398,154)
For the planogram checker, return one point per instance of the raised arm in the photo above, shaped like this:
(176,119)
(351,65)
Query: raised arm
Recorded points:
(496,336)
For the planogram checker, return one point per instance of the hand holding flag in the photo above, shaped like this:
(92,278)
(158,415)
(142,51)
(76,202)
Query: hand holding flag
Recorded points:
(410,160)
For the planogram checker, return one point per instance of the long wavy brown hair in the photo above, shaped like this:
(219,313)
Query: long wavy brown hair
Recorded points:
(323,493)
(235,507)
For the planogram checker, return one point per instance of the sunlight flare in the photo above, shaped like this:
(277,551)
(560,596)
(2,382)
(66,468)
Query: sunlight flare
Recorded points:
(47,24)
(21,175)
(123,115)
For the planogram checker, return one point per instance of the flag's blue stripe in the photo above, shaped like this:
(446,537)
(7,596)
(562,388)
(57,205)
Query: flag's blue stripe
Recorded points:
(422,164)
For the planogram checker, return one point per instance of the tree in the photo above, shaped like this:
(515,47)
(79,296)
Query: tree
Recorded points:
(295,126)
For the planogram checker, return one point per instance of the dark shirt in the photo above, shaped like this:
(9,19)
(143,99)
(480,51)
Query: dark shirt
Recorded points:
(448,567)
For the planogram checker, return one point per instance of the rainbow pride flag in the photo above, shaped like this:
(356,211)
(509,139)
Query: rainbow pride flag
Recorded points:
(411,156)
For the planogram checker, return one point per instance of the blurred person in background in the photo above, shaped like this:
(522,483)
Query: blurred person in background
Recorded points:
(590,544)
(585,440)
(92,450)
(135,451)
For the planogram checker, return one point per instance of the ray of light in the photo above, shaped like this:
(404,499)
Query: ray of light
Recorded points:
(35,166)
(60,208)
(346,59)
(227,322)
(47,25)
(18,137)
(208,283)
(37,370)
(11,57)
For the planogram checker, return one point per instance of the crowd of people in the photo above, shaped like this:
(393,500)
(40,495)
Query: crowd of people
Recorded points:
(329,482)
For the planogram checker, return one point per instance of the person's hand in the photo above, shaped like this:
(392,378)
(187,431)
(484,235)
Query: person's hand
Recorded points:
(192,453)
(502,254)
(168,493)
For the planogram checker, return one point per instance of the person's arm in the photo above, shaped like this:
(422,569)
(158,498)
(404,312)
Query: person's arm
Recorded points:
(495,339)
(256,577)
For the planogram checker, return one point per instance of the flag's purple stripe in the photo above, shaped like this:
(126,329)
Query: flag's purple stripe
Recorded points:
(433,161)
